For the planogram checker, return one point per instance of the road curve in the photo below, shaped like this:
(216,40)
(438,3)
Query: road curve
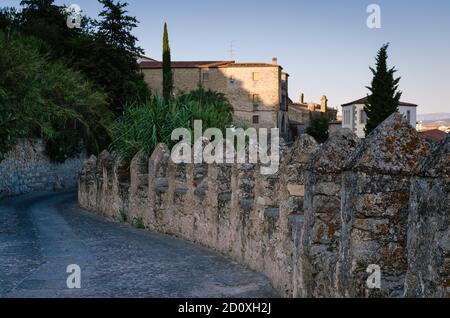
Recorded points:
(41,234)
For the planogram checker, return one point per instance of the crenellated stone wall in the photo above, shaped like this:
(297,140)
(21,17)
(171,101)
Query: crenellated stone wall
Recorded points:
(313,228)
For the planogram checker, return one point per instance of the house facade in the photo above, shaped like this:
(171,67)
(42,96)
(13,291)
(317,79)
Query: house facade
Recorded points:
(258,92)
(354,117)
(301,112)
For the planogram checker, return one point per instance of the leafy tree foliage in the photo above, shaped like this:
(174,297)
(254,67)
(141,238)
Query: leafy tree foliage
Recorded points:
(115,27)
(44,98)
(318,128)
(105,51)
(65,84)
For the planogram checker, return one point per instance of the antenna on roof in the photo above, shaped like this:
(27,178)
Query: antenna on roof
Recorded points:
(232,50)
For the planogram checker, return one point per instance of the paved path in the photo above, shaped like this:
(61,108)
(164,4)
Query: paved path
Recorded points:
(41,234)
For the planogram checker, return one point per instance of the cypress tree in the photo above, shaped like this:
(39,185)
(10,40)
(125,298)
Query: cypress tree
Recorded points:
(167,66)
(385,97)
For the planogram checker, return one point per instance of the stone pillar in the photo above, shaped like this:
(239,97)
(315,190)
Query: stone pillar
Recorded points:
(220,192)
(87,185)
(245,203)
(158,181)
(138,186)
(429,227)
(375,197)
(120,200)
(291,214)
(105,179)
(202,212)
(323,214)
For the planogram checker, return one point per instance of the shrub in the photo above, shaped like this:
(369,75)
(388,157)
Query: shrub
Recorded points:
(143,126)
(46,99)
(318,128)
(139,223)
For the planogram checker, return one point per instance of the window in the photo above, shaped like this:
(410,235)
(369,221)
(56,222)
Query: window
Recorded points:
(362,117)
(347,117)
(256,76)
(205,76)
(256,119)
(408,115)
(256,99)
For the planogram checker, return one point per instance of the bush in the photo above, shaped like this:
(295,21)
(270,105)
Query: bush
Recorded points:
(318,128)
(46,99)
(143,126)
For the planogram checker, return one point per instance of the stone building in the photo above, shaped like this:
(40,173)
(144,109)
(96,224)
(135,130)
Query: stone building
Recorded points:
(301,112)
(257,91)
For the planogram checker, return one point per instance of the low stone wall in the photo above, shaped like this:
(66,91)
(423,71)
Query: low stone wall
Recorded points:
(315,227)
(27,169)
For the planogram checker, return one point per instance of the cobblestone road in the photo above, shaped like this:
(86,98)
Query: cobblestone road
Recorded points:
(41,234)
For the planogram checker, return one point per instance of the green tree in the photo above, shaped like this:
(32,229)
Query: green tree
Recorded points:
(44,98)
(9,19)
(110,60)
(115,27)
(167,66)
(105,51)
(384,96)
(48,22)
(318,127)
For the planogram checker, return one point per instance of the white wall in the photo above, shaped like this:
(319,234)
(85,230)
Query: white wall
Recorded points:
(355,124)
(348,120)
(359,127)
(413,114)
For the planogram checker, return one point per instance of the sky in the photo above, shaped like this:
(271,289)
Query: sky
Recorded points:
(325,45)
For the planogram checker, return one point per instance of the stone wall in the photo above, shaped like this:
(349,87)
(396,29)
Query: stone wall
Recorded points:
(316,226)
(26,169)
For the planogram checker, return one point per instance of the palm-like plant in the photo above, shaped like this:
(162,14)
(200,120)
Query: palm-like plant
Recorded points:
(142,127)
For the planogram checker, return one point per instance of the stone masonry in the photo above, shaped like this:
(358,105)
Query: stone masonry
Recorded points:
(27,169)
(316,226)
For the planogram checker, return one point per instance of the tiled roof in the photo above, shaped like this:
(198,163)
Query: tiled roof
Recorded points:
(365,100)
(184,64)
(251,65)
(202,64)
(434,135)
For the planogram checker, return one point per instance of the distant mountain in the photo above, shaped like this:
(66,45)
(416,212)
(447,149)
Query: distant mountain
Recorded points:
(434,117)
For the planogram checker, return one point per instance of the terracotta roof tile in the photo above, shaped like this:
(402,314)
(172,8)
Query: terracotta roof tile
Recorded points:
(184,64)
(434,135)
(365,100)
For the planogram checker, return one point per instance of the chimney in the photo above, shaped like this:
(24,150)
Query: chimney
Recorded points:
(274,60)
(302,98)
(323,104)
(312,106)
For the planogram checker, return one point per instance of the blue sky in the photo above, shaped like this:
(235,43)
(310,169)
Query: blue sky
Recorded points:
(325,45)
